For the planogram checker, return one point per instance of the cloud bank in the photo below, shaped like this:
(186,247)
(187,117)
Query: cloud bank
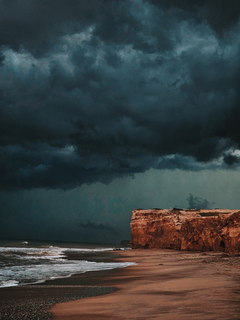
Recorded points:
(95,90)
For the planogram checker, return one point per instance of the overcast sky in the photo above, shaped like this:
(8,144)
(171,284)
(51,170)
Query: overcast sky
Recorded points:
(107,106)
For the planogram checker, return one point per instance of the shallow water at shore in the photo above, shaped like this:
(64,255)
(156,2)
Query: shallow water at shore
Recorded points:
(33,301)
(23,262)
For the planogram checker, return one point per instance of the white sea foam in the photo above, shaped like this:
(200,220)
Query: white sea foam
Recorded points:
(26,265)
(39,273)
(8,283)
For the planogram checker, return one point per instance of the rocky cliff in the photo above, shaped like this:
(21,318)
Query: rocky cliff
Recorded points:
(200,230)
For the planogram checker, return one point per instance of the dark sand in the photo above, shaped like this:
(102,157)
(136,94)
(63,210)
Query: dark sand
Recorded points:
(33,302)
(165,285)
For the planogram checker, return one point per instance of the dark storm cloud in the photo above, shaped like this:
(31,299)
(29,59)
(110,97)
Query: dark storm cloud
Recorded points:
(198,202)
(231,159)
(219,14)
(99,226)
(37,25)
(95,90)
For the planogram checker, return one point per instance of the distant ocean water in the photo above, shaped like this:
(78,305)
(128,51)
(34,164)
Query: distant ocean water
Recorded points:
(28,262)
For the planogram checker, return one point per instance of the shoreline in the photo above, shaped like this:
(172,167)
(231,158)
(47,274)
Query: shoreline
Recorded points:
(33,301)
(166,285)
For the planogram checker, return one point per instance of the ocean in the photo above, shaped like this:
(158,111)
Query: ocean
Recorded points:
(31,262)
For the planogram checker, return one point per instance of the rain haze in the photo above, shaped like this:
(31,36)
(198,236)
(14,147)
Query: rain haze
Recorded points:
(109,106)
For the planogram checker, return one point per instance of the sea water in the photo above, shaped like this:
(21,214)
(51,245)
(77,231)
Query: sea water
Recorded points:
(28,262)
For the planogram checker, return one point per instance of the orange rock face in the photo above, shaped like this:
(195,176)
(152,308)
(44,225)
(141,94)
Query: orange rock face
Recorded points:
(186,229)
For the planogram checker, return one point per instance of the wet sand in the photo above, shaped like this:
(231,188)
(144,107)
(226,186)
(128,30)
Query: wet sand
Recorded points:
(165,284)
(32,302)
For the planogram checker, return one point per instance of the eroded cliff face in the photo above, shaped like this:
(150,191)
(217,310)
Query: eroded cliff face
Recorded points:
(186,229)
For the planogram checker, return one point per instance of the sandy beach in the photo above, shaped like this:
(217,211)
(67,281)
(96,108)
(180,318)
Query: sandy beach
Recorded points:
(165,284)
